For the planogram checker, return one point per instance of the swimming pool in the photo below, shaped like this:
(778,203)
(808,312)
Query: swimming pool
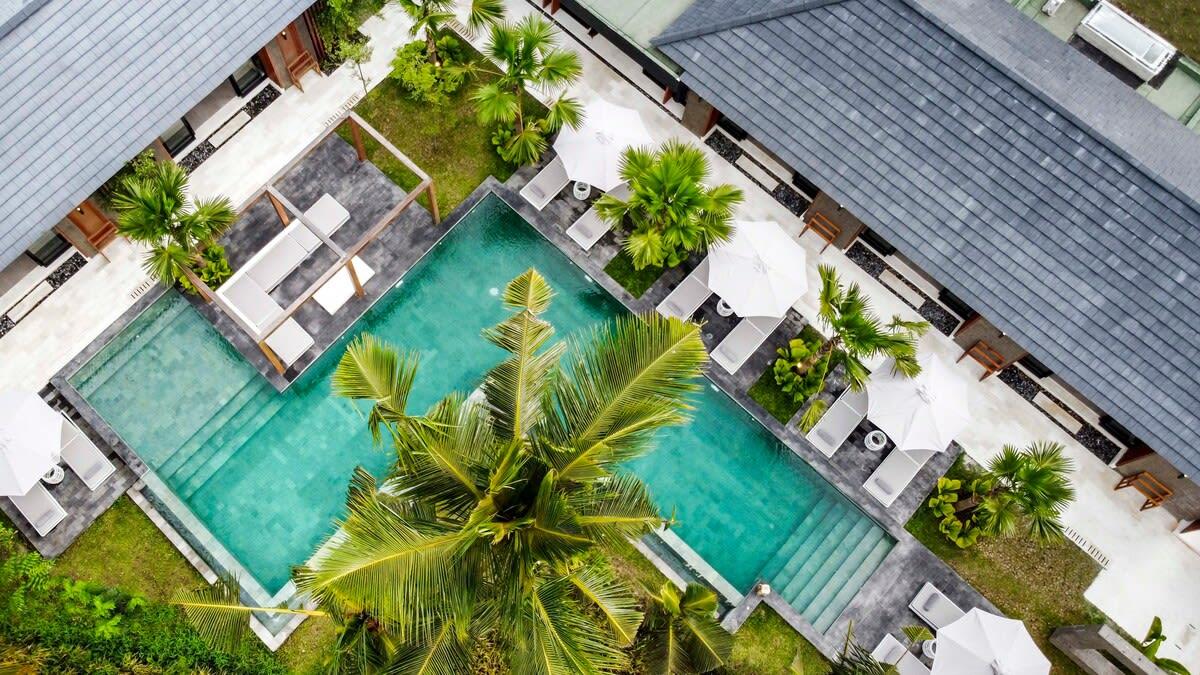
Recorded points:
(266,472)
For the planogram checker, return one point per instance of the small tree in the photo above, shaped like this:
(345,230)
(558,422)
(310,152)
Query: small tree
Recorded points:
(528,56)
(154,209)
(1028,485)
(356,53)
(670,212)
(683,633)
(431,16)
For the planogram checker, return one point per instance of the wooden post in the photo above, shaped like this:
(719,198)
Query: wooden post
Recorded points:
(279,209)
(433,205)
(262,344)
(358,289)
(197,283)
(358,141)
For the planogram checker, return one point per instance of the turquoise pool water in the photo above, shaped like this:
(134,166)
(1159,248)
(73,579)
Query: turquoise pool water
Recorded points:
(267,472)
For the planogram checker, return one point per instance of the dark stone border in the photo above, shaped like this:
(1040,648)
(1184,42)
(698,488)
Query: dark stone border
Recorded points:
(942,319)
(254,107)
(1088,435)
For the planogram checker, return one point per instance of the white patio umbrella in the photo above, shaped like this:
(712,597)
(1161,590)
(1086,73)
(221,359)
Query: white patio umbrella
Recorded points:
(924,412)
(592,153)
(30,440)
(760,271)
(981,643)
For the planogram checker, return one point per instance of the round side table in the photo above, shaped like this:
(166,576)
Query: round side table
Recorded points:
(581,190)
(875,440)
(55,475)
(723,308)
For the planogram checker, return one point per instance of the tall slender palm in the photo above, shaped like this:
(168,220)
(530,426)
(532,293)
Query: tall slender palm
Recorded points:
(683,634)
(430,18)
(670,212)
(523,55)
(481,528)
(155,210)
(1030,485)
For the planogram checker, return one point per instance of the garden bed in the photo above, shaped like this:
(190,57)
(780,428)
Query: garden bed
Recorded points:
(768,394)
(636,281)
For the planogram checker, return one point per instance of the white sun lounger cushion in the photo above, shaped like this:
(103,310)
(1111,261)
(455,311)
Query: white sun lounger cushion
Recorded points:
(327,215)
(893,652)
(934,608)
(683,301)
(838,422)
(289,342)
(743,341)
(546,184)
(338,290)
(590,227)
(40,508)
(895,473)
(84,458)
(249,300)
(271,265)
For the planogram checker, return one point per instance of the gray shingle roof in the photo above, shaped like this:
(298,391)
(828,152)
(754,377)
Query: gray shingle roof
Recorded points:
(88,83)
(1032,184)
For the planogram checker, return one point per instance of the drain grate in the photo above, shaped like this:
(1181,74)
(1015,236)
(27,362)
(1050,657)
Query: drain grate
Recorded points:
(140,290)
(1087,546)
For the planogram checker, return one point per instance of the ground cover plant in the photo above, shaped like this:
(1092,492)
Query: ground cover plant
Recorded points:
(779,390)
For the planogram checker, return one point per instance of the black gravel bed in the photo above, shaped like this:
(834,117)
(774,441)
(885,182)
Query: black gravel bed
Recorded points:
(1021,383)
(939,317)
(261,100)
(196,157)
(793,201)
(724,146)
(1099,444)
(863,257)
(6,324)
(66,270)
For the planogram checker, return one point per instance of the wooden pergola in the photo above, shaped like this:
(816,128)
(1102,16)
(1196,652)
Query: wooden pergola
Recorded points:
(288,212)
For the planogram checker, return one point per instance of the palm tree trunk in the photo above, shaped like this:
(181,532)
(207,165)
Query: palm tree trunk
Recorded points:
(826,349)
(431,52)
(966,505)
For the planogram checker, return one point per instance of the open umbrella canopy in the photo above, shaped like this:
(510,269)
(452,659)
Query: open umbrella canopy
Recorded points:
(760,271)
(30,439)
(592,153)
(924,412)
(981,643)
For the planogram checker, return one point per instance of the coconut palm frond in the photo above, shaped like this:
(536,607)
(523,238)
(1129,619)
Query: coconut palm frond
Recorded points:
(666,653)
(617,509)
(374,371)
(830,297)
(609,594)
(444,650)
(218,615)
(554,636)
(813,414)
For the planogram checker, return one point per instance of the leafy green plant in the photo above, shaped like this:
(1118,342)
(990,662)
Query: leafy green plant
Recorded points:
(962,531)
(430,18)
(21,572)
(155,210)
(682,633)
(801,386)
(1028,486)
(141,166)
(670,212)
(1150,645)
(519,56)
(356,54)
(492,521)
(424,81)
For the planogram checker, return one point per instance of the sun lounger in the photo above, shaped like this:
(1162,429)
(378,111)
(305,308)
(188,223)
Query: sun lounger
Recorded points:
(892,652)
(289,342)
(40,508)
(743,341)
(895,473)
(327,215)
(84,458)
(589,228)
(546,185)
(338,290)
(686,298)
(250,301)
(838,422)
(934,608)
(281,256)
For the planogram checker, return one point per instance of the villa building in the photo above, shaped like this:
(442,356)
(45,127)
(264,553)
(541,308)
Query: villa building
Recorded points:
(71,120)
(1024,193)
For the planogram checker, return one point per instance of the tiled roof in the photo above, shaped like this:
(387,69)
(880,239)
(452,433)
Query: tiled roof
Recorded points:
(87,84)
(1046,194)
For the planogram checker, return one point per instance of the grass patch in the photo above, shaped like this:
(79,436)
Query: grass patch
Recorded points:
(767,393)
(636,281)
(124,550)
(1176,20)
(1042,585)
(766,644)
(306,649)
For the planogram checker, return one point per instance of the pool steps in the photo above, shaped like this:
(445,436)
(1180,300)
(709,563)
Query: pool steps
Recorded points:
(228,440)
(151,324)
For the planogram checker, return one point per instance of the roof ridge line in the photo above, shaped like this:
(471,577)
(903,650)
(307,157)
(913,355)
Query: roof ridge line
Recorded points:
(745,20)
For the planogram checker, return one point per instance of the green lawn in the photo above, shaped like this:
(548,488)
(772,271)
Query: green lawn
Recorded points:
(766,644)
(636,281)
(1176,20)
(1041,585)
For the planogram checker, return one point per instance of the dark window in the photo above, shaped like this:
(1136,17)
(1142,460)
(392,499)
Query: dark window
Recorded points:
(178,137)
(806,186)
(1118,431)
(1035,367)
(872,239)
(248,76)
(738,133)
(48,248)
(956,305)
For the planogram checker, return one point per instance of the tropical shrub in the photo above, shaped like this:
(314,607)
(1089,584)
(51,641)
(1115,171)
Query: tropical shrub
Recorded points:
(430,18)
(670,212)
(427,82)
(1149,648)
(963,531)
(141,166)
(800,387)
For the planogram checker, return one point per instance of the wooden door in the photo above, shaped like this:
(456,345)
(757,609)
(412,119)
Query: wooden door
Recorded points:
(93,224)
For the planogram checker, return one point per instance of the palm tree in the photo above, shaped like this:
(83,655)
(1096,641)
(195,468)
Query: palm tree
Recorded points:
(481,529)
(670,212)
(155,210)
(1029,485)
(430,17)
(683,634)
(527,56)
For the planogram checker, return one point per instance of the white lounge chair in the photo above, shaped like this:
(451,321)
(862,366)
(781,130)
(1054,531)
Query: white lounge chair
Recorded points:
(893,652)
(283,254)
(838,422)
(683,301)
(40,508)
(250,301)
(546,184)
(934,608)
(895,473)
(338,290)
(590,227)
(84,458)
(289,342)
(744,340)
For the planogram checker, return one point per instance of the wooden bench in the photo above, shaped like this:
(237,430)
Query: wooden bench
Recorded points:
(824,228)
(1150,486)
(986,356)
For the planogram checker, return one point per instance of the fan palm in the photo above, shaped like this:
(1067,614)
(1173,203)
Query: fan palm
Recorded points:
(154,209)
(480,529)
(430,17)
(522,55)
(682,631)
(670,212)
(1029,485)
